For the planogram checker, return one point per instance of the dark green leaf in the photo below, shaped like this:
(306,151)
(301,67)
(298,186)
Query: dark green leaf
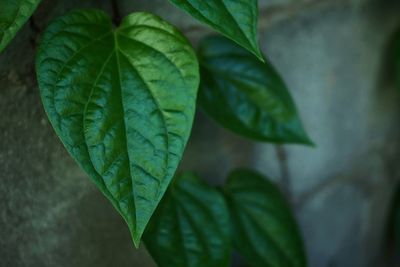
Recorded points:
(236,19)
(13,15)
(264,230)
(122,101)
(245,95)
(191,226)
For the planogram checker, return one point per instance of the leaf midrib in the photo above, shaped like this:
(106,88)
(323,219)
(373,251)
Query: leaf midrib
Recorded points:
(241,30)
(220,29)
(158,106)
(116,49)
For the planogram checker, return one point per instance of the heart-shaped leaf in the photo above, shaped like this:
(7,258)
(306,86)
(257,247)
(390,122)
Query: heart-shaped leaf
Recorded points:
(236,19)
(245,95)
(190,227)
(13,15)
(122,101)
(264,231)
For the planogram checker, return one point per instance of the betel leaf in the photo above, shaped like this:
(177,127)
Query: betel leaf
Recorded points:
(236,19)
(13,15)
(190,227)
(264,231)
(245,95)
(122,101)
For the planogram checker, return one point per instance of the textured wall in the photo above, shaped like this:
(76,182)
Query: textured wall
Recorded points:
(331,53)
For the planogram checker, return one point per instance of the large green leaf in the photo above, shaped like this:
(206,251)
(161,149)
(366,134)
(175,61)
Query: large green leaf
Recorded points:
(245,95)
(13,15)
(190,227)
(264,231)
(236,19)
(122,101)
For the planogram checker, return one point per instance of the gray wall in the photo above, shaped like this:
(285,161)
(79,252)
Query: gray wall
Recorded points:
(333,56)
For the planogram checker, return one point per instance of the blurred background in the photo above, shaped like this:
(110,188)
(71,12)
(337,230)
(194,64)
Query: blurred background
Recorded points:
(335,56)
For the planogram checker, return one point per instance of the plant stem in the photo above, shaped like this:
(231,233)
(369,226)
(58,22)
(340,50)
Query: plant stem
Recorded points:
(286,182)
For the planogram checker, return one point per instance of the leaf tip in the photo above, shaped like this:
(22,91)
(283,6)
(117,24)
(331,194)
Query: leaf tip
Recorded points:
(304,139)
(257,52)
(136,238)
(309,142)
(301,137)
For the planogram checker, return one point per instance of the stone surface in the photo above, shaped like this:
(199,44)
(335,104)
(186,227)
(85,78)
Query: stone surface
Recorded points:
(331,53)
(334,61)
(333,66)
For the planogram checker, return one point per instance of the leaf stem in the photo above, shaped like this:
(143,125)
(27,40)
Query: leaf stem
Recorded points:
(286,183)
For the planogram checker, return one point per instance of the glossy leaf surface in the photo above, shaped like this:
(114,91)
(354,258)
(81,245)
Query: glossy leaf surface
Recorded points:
(246,95)
(122,101)
(236,19)
(191,226)
(13,15)
(264,231)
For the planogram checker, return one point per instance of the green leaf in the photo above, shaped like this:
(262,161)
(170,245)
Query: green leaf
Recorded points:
(191,226)
(13,15)
(264,230)
(236,19)
(122,101)
(245,95)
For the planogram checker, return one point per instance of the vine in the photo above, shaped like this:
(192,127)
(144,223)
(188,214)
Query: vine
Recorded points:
(121,94)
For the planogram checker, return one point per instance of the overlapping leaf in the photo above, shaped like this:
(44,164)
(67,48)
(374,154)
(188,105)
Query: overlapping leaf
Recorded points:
(122,101)
(190,227)
(245,95)
(264,231)
(236,19)
(13,15)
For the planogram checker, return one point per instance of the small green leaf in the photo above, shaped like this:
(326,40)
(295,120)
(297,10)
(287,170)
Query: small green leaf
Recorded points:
(264,230)
(236,19)
(122,101)
(190,227)
(13,15)
(245,95)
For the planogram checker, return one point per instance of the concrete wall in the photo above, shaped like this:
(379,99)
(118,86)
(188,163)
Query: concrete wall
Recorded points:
(333,56)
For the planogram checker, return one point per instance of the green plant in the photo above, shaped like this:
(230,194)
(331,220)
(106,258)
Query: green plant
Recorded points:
(122,99)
